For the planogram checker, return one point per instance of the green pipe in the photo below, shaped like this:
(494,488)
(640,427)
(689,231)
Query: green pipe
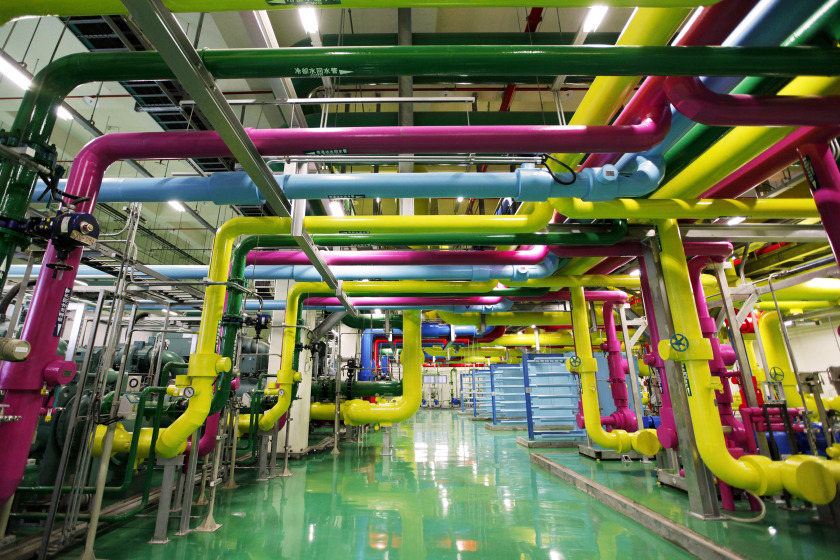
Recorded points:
(132,452)
(324,390)
(362,321)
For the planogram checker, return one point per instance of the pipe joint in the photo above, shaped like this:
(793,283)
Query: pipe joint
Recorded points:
(206,364)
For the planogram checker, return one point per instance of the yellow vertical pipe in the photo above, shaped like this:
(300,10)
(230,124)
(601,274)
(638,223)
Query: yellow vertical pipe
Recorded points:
(776,353)
(643,441)
(803,476)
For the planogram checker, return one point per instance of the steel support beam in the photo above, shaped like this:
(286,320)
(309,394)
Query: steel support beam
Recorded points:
(700,485)
(165,33)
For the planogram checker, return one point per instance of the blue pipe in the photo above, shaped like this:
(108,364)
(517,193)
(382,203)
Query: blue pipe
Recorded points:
(308,273)
(525,184)
(427,330)
(767,25)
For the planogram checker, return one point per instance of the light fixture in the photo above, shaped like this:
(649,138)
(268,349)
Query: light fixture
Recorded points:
(460,199)
(309,19)
(80,282)
(826,283)
(735,221)
(534,327)
(62,113)
(173,314)
(594,18)
(788,323)
(14,73)
(177,206)
(635,272)
(378,200)
(336,208)
(378,312)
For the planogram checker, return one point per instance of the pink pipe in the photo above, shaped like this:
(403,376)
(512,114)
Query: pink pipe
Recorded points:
(772,161)
(564,295)
(408,301)
(634,249)
(697,102)
(711,27)
(623,418)
(534,255)
(824,178)
(609,265)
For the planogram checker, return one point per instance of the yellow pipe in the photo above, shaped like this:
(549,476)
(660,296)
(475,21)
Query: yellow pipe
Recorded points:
(468,352)
(647,209)
(287,376)
(803,476)
(795,306)
(776,353)
(559,281)
(643,441)
(740,146)
(647,27)
(357,412)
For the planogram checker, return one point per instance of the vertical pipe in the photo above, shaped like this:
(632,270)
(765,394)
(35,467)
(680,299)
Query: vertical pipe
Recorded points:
(405,86)
(824,178)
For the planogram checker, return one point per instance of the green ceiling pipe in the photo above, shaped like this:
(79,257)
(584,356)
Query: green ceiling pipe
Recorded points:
(366,321)
(11,9)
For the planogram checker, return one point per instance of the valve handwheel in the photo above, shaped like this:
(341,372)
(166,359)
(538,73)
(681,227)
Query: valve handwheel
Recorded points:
(777,373)
(679,342)
(576,362)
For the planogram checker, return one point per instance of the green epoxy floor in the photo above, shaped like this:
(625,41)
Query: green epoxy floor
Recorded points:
(782,534)
(452,489)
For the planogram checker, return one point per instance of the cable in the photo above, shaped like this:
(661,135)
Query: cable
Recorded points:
(755,519)
(546,157)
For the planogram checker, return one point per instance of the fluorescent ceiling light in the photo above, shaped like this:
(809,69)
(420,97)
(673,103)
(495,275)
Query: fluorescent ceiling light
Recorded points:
(635,272)
(309,19)
(177,206)
(173,314)
(80,282)
(14,73)
(378,312)
(735,221)
(378,200)
(336,208)
(788,323)
(63,113)
(594,18)
(460,199)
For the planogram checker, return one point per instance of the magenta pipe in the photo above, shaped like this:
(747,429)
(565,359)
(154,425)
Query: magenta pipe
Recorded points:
(609,265)
(772,161)
(564,295)
(634,249)
(824,178)
(407,301)
(697,102)
(533,255)
(623,418)
(710,28)
(737,437)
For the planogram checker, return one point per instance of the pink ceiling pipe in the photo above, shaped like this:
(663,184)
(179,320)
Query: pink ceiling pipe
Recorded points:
(22,381)
(533,255)
(634,249)
(711,27)
(770,162)
(609,265)
(563,295)
(825,185)
(408,301)
(697,102)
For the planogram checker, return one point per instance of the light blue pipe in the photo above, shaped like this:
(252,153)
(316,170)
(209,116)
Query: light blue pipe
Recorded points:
(308,273)
(525,184)
(767,25)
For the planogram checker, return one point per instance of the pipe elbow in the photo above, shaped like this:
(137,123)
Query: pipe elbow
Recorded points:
(272,415)
(172,441)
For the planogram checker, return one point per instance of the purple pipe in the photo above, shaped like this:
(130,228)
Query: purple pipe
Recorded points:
(623,418)
(825,186)
(533,255)
(772,161)
(407,301)
(697,102)
(22,381)
(723,355)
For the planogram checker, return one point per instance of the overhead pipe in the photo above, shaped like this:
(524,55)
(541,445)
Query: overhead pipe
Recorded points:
(643,441)
(524,184)
(820,169)
(803,476)
(710,28)
(694,100)
(647,209)
(14,9)
(767,25)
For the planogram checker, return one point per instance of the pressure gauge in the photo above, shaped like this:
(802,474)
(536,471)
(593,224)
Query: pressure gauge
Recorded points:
(189,392)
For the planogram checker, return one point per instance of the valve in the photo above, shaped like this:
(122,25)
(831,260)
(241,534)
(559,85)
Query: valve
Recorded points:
(67,231)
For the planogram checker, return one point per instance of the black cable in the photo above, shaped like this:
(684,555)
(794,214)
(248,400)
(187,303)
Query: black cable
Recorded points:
(546,157)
